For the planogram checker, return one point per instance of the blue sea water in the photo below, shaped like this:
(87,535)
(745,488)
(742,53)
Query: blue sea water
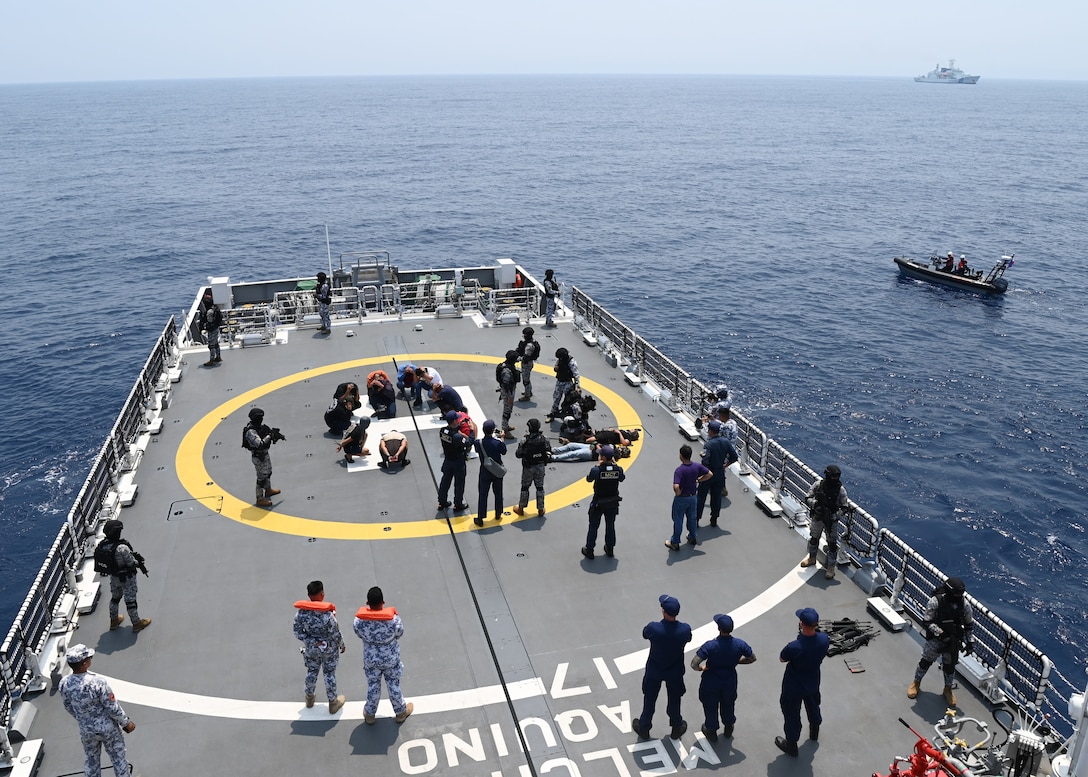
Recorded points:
(746,225)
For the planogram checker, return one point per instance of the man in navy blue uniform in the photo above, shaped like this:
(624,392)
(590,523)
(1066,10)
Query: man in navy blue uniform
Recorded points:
(801,681)
(665,664)
(606,478)
(717,455)
(718,660)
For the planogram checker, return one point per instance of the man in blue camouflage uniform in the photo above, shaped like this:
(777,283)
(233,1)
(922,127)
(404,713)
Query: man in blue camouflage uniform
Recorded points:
(379,627)
(322,644)
(535,452)
(115,557)
(257,438)
(323,293)
(566,380)
(89,699)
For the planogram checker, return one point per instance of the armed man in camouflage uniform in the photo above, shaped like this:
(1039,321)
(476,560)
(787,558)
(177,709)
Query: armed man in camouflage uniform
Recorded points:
(258,438)
(535,452)
(379,627)
(89,700)
(322,644)
(115,557)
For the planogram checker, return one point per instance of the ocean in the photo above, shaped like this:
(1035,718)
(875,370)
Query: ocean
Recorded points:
(745,225)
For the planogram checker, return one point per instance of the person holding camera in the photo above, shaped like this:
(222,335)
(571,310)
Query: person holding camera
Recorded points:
(257,438)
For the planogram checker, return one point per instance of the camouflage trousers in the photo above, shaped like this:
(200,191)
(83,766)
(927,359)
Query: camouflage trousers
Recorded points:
(532,475)
(559,395)
(114,742)
(506,396)
(263,465)
(213,343)
(392,675)
(527,376)
(126,589)
(325,663)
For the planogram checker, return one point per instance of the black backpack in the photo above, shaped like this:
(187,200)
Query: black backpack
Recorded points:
(105,557)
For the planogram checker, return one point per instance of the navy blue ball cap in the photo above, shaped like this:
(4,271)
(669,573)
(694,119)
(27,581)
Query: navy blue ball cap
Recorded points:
(808,616)
(725,623)
(670,604)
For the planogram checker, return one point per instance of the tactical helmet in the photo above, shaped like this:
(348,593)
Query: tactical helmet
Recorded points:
(511,356)
(256,415)
(113,529)
(533,425)
(528,331)
(721,391)
(955,587)
(562,353)
(832,472)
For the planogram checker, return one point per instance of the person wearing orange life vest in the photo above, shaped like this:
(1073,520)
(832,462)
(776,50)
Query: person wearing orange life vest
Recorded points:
(322,643)
(380,628)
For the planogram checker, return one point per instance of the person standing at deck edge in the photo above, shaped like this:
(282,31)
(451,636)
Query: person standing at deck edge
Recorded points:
(322,643)
(211,320)
(380,628)
(115,557)
(323,293)
(551,297)
(949,622)
(801,681)
(89,699)
(825,500)
(665,664)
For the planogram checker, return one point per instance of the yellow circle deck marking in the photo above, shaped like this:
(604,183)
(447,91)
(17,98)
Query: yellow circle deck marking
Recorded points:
(194,476)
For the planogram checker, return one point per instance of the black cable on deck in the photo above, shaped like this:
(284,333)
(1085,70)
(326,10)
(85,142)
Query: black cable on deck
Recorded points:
(475,600)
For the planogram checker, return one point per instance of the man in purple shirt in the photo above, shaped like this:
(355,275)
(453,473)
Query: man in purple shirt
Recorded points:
(685,486)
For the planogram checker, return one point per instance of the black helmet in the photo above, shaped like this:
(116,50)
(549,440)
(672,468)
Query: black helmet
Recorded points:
(511,356)
(832,472)
(113,529)
(562,353)
(528,331)
(955,587)
(256,415)
(533,425)
(721,391)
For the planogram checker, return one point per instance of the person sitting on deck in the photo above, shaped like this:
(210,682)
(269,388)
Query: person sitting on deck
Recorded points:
(380,392)
(949,262)
(962,268)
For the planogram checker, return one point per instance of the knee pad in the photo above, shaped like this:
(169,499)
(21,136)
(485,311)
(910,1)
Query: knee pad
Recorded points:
(924,665)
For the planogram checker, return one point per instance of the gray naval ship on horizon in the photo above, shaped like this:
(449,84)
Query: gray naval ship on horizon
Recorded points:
(522,656)
(946,75)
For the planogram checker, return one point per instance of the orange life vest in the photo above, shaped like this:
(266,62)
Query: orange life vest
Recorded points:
(309,604)
(384,614)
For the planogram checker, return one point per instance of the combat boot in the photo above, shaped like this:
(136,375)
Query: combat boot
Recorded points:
(264,503)
(809,561)
(403,716)
(829,572)
(115,622)
(336,704)
(949,696)
(140,625)
(272,491)
(518,510)
(309,700)
(912,690)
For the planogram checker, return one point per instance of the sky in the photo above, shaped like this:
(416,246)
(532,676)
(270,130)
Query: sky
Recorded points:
(122,40)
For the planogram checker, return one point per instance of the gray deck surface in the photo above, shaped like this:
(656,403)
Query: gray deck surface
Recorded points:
(221,594)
